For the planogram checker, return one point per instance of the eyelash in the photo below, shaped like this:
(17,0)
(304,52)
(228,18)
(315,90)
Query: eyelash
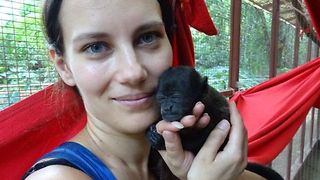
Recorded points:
(155,36)
(87,47)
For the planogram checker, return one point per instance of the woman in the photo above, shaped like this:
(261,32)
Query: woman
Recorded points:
(113,53)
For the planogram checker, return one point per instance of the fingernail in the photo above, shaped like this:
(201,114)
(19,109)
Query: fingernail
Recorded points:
(224,124)
(199,102)
(177,124)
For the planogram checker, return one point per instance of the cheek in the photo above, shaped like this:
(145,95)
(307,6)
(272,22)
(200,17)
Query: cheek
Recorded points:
(161,62)
(86,76)
(89,77)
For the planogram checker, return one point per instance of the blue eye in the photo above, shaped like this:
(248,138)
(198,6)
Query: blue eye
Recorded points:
(148,38)
(96,47)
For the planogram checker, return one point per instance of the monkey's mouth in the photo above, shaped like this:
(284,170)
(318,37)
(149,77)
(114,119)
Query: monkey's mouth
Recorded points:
(172,117)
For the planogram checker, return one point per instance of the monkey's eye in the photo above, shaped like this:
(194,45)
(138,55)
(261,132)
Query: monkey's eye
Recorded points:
(159,96)
(176,96)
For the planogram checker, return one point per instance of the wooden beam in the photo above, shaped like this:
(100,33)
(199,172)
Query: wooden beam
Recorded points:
(234,60)
(309,51)
(296,46)
(274,51)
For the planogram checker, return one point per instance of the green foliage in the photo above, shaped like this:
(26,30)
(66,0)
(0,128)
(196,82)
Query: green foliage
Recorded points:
(24,61)
(212,53)
(23,54)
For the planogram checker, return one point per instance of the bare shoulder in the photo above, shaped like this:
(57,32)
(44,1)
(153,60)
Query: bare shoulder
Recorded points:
(58,172)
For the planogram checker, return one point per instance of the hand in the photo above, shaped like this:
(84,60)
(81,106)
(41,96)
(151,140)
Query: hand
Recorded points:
(209,163)
(178,160)
(230,162)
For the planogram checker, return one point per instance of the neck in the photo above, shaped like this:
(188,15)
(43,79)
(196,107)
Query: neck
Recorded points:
(130,148)
(125,154)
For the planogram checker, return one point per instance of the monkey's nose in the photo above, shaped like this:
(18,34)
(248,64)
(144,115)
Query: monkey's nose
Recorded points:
(167,109)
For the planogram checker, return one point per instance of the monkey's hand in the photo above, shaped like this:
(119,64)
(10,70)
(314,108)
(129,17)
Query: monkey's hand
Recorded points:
(155,139)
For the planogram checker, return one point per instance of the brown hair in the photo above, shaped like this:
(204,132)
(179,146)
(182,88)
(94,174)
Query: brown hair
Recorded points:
(52,27)
(53,33)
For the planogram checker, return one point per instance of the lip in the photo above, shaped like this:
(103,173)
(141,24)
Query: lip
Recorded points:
(135,101)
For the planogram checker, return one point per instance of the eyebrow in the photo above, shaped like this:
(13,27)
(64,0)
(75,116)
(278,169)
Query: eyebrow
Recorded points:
(97,35)
(150,25)
(90,35)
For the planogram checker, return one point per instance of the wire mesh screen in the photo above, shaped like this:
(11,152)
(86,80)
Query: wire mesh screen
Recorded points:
(24,64)
(212,52)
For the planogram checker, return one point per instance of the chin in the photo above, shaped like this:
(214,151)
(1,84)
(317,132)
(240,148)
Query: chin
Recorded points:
(139,124)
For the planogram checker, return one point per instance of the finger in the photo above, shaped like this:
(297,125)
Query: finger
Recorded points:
(203,121)
(168,126)
(188,121)
(174,154)
(198,109)
(238,133)
(214,141)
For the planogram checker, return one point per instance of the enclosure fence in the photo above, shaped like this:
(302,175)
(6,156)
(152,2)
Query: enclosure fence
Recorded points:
(300,160)
(24,64)
(25,67)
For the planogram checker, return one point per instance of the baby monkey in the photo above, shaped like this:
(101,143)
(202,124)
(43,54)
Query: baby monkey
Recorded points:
(179,89)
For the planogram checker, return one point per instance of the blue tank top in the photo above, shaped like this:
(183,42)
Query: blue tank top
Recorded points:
(83,159)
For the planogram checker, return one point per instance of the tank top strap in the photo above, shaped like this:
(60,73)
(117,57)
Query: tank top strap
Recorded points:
(81,158)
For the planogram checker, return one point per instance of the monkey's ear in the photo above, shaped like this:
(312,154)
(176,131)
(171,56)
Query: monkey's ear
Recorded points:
(205,80)
(204,83)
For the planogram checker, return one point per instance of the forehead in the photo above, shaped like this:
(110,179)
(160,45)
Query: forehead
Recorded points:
(111,9)
(106,14)
(107,4)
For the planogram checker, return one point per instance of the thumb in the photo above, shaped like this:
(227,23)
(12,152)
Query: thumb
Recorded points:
(178,160)
(174,153)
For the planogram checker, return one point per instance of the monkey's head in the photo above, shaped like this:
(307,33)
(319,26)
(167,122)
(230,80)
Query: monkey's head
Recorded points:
(179,89)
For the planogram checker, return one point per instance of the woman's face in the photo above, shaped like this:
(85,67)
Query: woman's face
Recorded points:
(115,51)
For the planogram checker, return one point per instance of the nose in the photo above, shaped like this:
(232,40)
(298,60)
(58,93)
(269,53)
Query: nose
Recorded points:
(166,109)
(131,68)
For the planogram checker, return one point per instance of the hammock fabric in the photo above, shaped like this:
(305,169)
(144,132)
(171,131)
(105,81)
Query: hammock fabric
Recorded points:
(274,110)
(313,8)
(192,13)
(41,122)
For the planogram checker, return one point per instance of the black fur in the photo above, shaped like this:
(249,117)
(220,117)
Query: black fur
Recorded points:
(264,171)
(178,91)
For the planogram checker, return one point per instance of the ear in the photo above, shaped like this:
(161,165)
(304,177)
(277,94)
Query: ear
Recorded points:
(62,67)
(205,86)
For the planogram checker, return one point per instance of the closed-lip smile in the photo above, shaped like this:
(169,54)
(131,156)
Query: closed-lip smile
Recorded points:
(135,100)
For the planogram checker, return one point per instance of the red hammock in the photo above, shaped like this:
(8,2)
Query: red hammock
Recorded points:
(272,111)
(39,123)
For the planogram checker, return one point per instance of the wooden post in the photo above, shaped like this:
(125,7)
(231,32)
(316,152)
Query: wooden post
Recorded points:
(235,44)
(274,51)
